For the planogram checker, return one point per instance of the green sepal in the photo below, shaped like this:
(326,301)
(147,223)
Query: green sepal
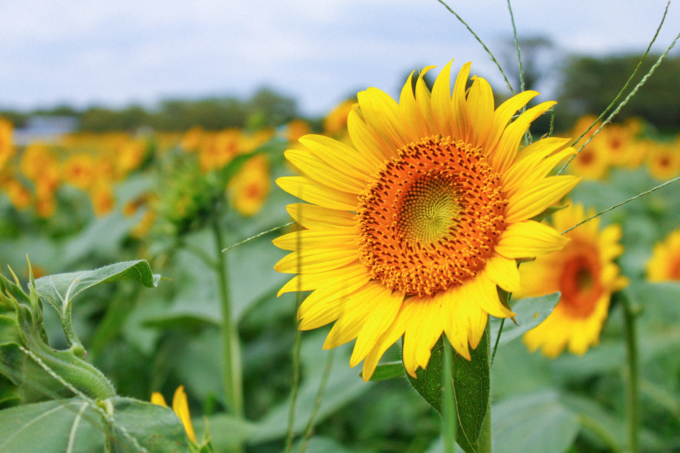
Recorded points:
(548,212)
(471,384)
(387,371)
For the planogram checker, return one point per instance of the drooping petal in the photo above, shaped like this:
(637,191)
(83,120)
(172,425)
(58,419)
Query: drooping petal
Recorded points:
(327,304)
(387,339)
(482,291)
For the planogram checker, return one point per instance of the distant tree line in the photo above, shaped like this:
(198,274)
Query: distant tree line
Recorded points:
(264,108)
(586,85)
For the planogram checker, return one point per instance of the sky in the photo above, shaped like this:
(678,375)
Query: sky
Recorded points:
(113,53)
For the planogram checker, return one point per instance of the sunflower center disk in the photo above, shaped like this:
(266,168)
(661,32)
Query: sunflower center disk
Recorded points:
(431,217)
(580,282)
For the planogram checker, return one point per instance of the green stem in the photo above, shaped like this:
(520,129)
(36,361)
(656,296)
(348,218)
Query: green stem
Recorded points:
(632,375)
(231,370)
(485,436)
(450,420)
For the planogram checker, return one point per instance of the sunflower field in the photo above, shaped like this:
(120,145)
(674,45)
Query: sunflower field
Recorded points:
(421,275)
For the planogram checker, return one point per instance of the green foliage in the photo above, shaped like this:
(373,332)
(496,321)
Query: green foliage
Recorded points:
(75,425)
(471,383)
(591,83)
(530,312)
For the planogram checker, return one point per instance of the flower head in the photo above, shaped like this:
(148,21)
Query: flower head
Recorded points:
(664,265)
(585,273)
(410,230)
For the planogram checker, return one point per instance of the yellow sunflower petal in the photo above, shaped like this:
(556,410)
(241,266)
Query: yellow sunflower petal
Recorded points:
(482,290)
(422,332)
(311,191)
(359,308)
(369,144)
(412,115)
(509,143)
(441,101)
(532,171)
(324,239)
(385,309)
(424,100)
(383,116)
(529,239)
(387,339)
(480,104)
(317,217)
(503,272)
(502,117)
(315,261)
(323,173)
(157,399)
(181,408)
(327,304)
(531,201)
(308,282)
(339,156)
(459,126)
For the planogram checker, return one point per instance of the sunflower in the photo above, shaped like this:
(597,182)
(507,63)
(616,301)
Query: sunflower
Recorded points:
(409,231)
(585,273)
(249,188)
(663,160)
(664,265)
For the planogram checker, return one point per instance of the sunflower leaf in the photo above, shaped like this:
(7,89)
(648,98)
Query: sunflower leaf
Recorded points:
(387,371)
(530,312)
(471,385)
(60,289)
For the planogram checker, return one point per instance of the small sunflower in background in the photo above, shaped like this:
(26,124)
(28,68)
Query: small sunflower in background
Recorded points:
(664,265)
(249,188)
(585,273)
(663,160)
(410,230)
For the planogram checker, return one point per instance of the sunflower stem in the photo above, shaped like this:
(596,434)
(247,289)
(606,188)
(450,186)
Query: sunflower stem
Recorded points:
(450,419)
(231,368)
(485,445)
(632,374)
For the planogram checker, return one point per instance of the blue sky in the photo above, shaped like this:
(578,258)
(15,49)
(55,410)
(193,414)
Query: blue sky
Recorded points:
(85,52)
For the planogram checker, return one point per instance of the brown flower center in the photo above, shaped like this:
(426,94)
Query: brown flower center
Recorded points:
(431,217)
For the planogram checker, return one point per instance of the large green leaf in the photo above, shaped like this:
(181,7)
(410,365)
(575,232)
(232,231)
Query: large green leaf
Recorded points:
(60,289)
(471,386)
(530,312)
(535,423)
(76,425)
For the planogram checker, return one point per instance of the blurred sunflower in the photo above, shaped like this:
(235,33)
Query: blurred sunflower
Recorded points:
(335,122)
(6,142)
(80,170)
(409,232)
(180,406)
(585,273)
(663,160)
(664,265)
(591,162)
(249,188)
